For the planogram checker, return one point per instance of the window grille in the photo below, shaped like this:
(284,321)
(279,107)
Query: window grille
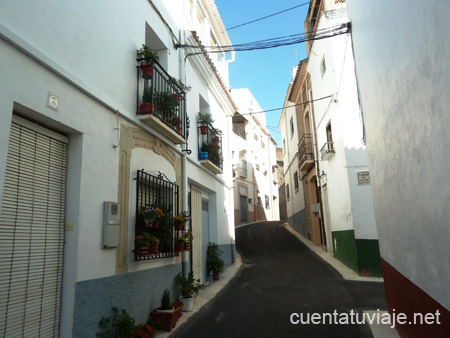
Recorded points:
(164,194)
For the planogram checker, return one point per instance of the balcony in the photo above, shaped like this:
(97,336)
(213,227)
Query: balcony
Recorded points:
(161,101)
(327,151)
(242,169)
(238,131)
(305,153)
(210,148)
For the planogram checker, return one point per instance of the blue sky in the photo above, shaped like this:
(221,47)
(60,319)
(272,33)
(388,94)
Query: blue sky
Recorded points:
(266,73)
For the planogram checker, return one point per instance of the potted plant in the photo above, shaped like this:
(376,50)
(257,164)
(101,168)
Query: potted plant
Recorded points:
(181,220)
(146,56)
(146,244)
(179,243)
(152,215)
(188,237)
(204,151)
(204,119)
(119,324)
(168,105)
(214,151)
(189,288)
(147,101)
(143,330)
(213,261)
(167,314)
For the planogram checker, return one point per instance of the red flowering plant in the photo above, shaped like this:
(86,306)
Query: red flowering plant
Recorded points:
(215,153)
(143,331)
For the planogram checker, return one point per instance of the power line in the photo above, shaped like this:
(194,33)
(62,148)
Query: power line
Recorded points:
(273,42)
(293,105)
(268,16)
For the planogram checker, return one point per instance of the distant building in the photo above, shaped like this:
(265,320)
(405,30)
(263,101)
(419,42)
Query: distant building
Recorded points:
(254,163)
(328,190)
(278,175)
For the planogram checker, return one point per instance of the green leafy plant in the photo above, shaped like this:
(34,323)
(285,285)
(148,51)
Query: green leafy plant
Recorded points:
(189,286)
(119,325)
(188,237)
(213,261)
(165,300)
(180,84)
(146,239)
(146,53)
(205,118)
(148,95)
(205,147)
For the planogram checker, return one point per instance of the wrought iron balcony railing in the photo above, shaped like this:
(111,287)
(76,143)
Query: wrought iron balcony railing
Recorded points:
(327,151)
(238,131)
(210,147)
(161,101)
(305,152)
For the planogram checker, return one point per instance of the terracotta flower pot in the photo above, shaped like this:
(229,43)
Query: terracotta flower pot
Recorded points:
(147,71)
(155,224)
(216,275)
(179,226)
(179,246)
(146,108)
(203,129)
(154,248)
(168,319)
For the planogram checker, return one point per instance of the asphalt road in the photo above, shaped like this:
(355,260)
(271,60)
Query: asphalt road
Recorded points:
(281,276)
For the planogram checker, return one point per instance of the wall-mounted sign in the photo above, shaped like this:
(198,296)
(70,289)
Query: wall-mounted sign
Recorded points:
(53,101)
(363,177)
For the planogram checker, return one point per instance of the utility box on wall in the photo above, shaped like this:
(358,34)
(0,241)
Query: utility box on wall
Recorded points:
(111,224)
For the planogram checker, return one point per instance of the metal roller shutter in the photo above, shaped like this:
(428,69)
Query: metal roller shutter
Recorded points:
(32,232)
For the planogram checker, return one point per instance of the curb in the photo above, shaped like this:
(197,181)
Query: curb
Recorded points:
(344,270)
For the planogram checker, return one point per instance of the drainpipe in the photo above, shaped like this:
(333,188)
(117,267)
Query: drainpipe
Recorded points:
(270,177)
(316,150)
(186,256)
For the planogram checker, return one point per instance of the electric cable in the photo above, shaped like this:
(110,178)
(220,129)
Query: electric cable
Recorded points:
(272,42)
(267,16)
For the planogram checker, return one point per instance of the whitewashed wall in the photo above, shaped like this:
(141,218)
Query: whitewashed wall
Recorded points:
(350,204)
(402,61)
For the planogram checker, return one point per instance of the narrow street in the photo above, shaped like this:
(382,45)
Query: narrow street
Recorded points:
(281,276)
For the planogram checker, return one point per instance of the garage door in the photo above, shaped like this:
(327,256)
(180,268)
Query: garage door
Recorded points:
(32,232)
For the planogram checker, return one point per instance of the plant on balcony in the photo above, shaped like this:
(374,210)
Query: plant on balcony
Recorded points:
(204,151)
(214,151)
(146,57)
(204,119)
(180,84)
(168,106)
(148,98)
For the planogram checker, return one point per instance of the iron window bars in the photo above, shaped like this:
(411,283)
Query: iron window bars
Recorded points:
(165,195)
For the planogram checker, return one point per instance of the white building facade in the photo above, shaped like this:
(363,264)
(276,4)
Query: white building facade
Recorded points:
(402,57)
(343,170)
(254,162)
(295,201)
(73,135)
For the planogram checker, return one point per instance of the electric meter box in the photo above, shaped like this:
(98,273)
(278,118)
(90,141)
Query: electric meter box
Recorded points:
(111,224)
